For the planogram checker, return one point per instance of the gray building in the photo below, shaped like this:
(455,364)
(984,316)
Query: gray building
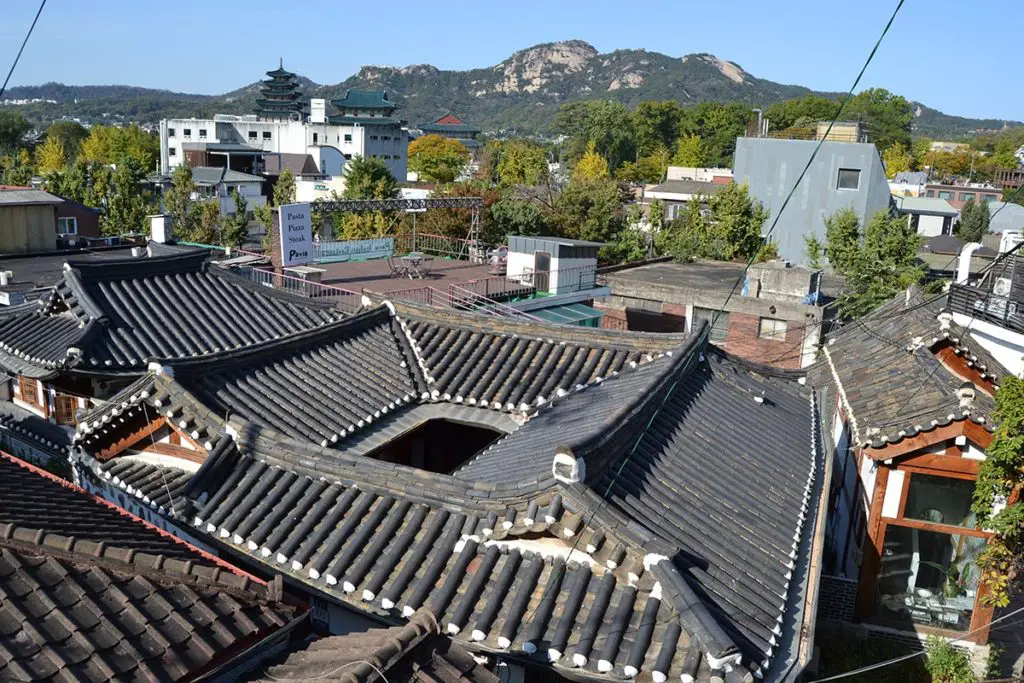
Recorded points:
(844,175)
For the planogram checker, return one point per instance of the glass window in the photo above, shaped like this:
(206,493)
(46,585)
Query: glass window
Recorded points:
(929,193)
(28,390)
(771,328)
(202,133)
(67,226)
(927,577)
(65,409)
(720,328)
(849,179)
(348,137)
(172,152)
(170,132)
(945,195)
(266,135)
(315,136)
(989,198)
(253,135)
(966,196)
(940,500)
(188,132)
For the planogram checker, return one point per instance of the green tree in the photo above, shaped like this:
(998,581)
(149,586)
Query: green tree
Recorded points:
(589,210)
(84,182)
(71,134)
(592,166)
(656,124)
(814,250)
(50,156)
(13,127)
(437,158)
(16,169)
(887,116)
(946,664)
(520,162)
(999,476)
(178,203)
(800,111)
(882,264)
(206,223)
(974,221)
(842,240)
(631,245)
(515,216)
(126,208)
(112,145)
(729,228)
(369,179)
(897,159)
(717,125)
(284,188)
(646,169)
(689,152)
(606,124)
(236,225)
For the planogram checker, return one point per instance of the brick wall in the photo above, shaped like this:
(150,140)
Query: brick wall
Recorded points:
(743,340)
(614,318)
(837,598)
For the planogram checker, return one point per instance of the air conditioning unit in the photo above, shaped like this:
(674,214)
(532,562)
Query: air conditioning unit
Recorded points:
(1001,287)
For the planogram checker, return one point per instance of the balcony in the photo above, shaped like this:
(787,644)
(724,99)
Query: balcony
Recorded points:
(987,306)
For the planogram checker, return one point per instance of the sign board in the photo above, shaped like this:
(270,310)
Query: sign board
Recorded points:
(348,250)
(296,225)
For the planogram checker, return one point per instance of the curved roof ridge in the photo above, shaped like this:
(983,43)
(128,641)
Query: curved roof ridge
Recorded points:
(73,280)
(185,262)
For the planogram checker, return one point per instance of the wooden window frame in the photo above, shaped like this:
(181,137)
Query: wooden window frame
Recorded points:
(27,387)
(60,412)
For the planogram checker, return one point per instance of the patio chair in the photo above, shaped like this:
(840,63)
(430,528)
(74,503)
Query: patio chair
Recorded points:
(397,268)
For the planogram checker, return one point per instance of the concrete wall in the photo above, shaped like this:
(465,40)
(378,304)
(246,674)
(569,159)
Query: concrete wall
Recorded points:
(771,167)
(28,228)
(930,226)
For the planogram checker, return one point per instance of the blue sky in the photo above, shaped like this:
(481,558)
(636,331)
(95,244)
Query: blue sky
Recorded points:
(949,55)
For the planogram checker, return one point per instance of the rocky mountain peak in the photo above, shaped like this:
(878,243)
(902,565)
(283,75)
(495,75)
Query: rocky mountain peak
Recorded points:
(528,70)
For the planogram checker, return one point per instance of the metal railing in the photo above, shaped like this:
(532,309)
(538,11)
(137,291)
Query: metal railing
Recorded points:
(984,305)
(529,282)
(346,300)
(458,299)
(438,245)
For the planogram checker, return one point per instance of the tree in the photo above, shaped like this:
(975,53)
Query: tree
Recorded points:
(656,125)
(515,216)
(729,228)
(71,134)
(367,178)
(111,145)
(897,159)
(437,158)
(84,182)
(178,202)
(284,188)
(236,226)
(520,162)
(646,169)
(13,127)
(878,264)
(717,125)
(606,124)
(592,166)
(999,476)
(16,169)
(632,244)
(887,116)
(815,251)
(589,209)
(206,223)
(689,152)
(50,156)
(974,221)
(126,208)
(842,240)
(789,113)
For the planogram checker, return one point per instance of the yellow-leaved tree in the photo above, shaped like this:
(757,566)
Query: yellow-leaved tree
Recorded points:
(50,156)
(592,166)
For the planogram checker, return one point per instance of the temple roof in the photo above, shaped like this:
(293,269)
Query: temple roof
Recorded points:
(364,99)
(620,493)
(90,593)
(117,316)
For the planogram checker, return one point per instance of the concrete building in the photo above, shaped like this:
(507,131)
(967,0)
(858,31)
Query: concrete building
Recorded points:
(220,184)
(363,127)
(776,317)
(676,194)
(908,184)
(928,216)
(958,195)
(844,175)
(719,176)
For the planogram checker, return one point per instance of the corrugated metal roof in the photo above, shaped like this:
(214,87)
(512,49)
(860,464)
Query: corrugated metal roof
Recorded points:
(932,205)
(24,197)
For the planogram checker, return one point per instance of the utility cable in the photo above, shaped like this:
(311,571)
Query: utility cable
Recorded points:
(17,58)
(912,655)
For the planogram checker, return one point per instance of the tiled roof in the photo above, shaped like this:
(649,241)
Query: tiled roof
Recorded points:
(115,317)
(339,120)
(27,424)
(89,593)
(889,379)
(412,653)
(159,486)
(364,99)
(670,571)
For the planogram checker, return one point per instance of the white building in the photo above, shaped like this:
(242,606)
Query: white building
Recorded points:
(363,127)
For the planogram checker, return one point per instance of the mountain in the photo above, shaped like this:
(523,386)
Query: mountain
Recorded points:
(520,94)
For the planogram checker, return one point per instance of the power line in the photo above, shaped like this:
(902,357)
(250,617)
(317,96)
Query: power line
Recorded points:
(17,57)
(912,655)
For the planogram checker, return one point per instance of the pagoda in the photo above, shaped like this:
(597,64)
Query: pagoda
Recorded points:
(279,95)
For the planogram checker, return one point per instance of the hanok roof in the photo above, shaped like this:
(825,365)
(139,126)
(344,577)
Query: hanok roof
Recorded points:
(606,552)
(214,175)
(413,653)
(892,378)
(27,197)
(115,317)
(364,99)
(448,124)
(90,593)
(28,425)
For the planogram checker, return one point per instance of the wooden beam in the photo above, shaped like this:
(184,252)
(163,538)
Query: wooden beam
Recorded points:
(957,364)
(176,452)
(974,432)
(131,439)
(875,532)
(939,464)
